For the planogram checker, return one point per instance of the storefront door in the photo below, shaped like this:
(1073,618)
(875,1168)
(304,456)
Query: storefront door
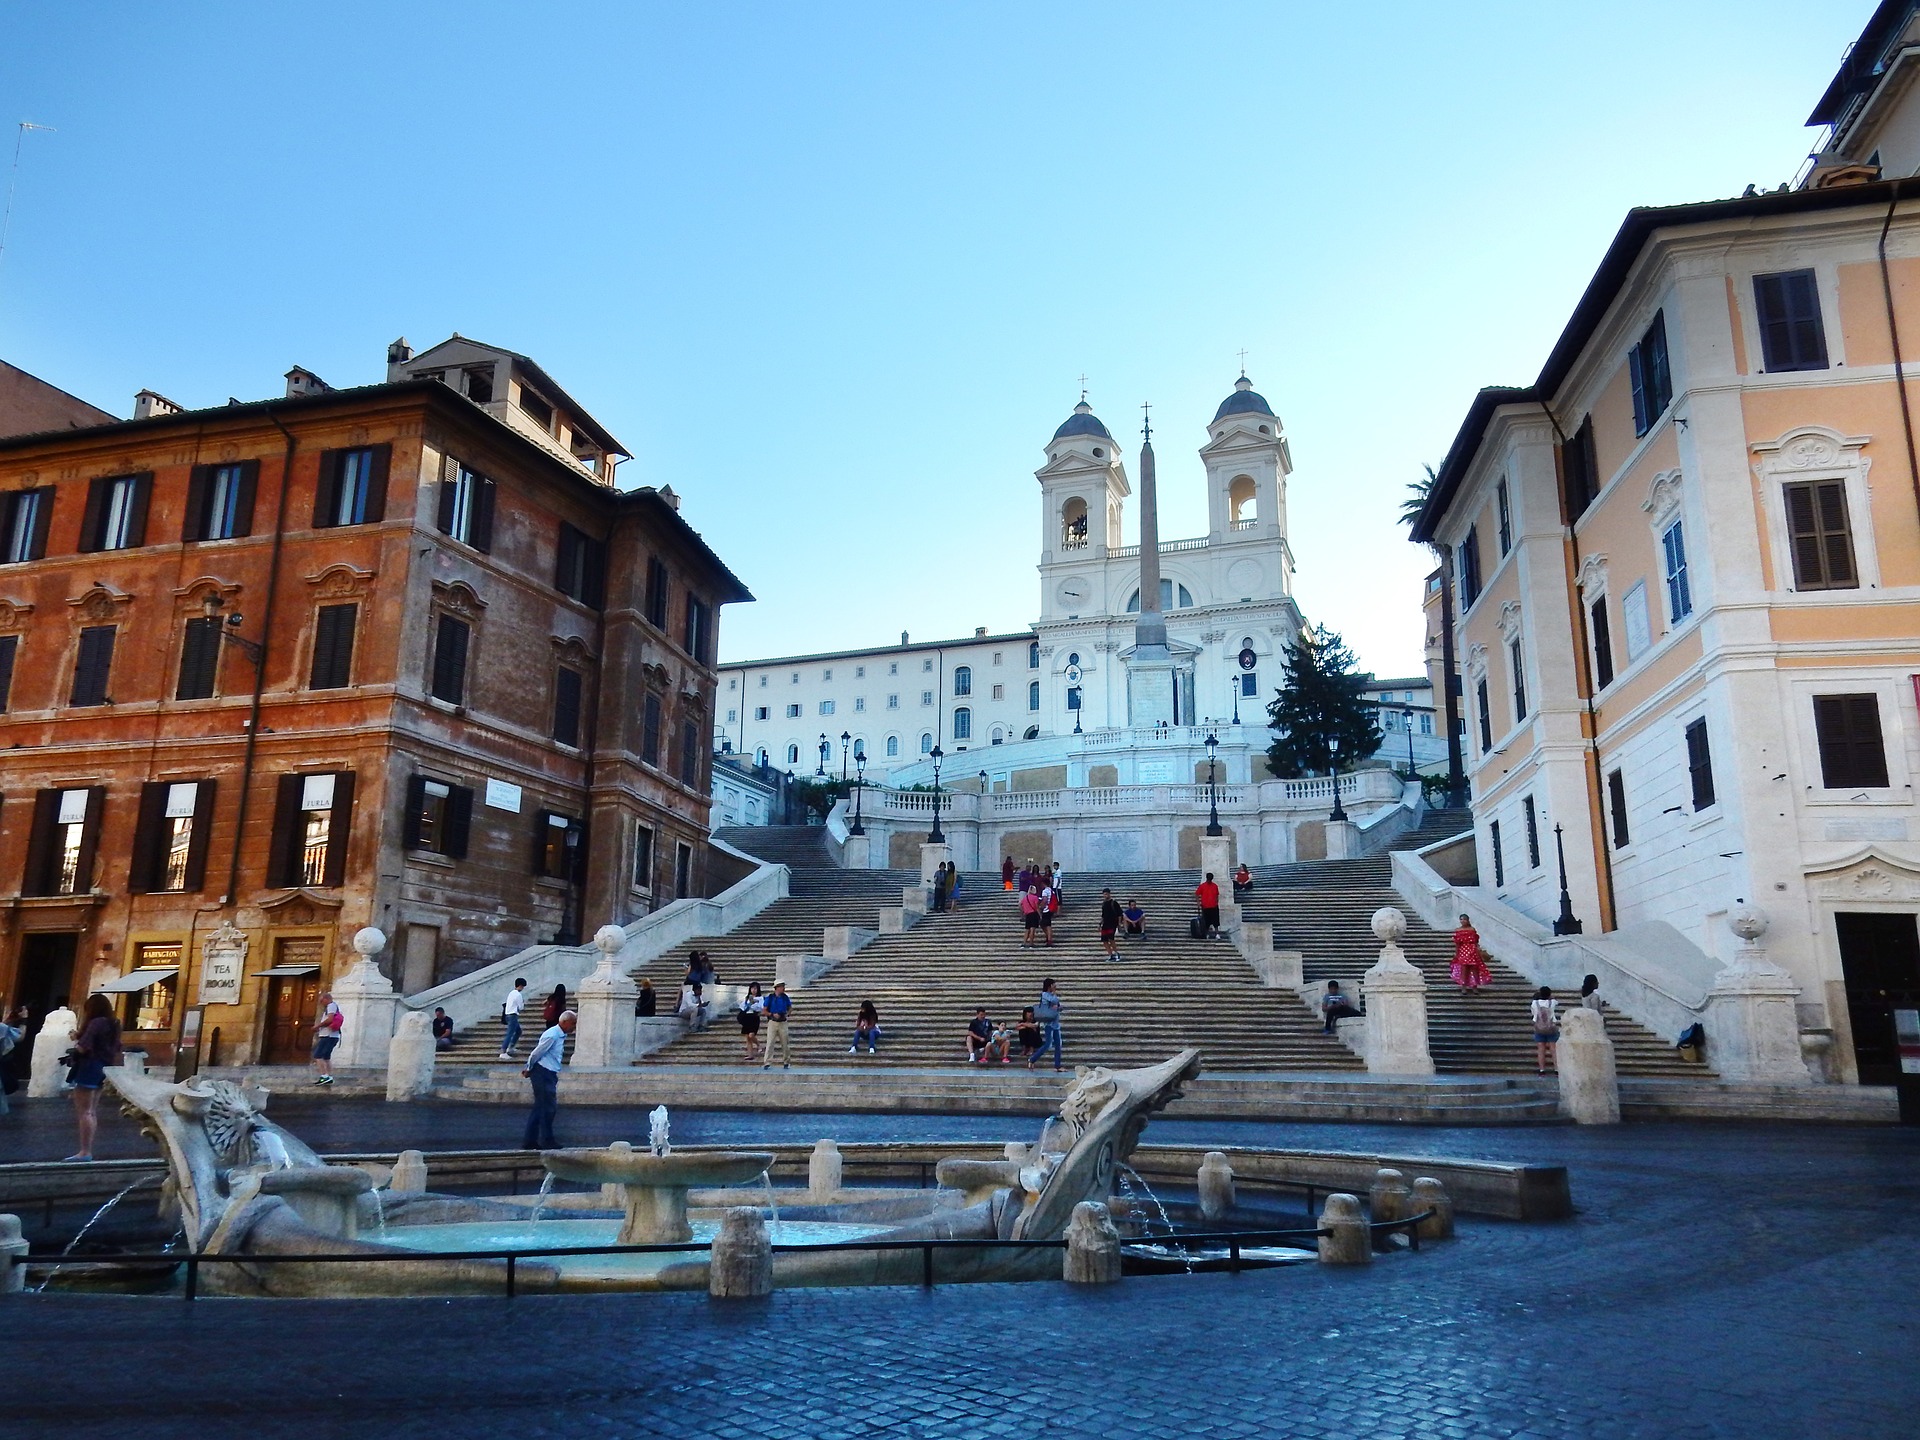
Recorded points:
(45,974)
(1880,958)
(291,1002)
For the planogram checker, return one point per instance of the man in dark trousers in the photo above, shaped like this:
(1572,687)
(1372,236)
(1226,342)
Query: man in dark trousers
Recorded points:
(543,1071)
(1109,924)
(1208,894)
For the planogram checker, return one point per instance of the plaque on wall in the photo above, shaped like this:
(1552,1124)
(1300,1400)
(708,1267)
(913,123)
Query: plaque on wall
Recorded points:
(502,796)
(223,960)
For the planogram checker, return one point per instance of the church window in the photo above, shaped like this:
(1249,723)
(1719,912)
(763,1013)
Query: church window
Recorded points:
(926,697)
(826,707)
(859,702)
(893,702)
(963,680)
(926,742)
(1033,656)
(793,754)
(1241,503)
(1033,695)
(1249,683)
(1032,733)
(1074,658)
(1073,698)
(1168,592)
(999,735)
(760,712)
(893,745)
(999,692)
(793,712)
(963,724)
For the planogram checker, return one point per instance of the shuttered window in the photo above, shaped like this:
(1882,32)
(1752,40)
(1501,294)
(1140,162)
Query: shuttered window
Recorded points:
(1518,664)
(93,666)
(199,660)
(699,628)
(1470,568)
(9,649)
(1499,860)
(580,567)
(1533,831)
(1652,380)
(1617,808)
(1503,505)
(439,817)
(1853,754)
(1602,644)
(170,836)
(1791,334)
(1579,471)
(659,592)
(1673,553)
(1700,764)
(333,628)
(220,501)
(466,507)
(1821,537)
(1486,715)
(650,719)
(566,705)
(116,514)
(353,487)
(690,753)
(312,823)
(63,841)
(24,518)
(557,846)
(450,641)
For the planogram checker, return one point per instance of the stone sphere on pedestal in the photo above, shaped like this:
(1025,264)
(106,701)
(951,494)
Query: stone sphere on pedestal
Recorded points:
(368,942)
(1388,925)
(1749,922)
(609,939)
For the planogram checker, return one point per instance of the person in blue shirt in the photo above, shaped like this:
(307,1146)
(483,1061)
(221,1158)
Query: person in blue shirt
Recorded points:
(1047,1011)
(543,1071)
(779,1006)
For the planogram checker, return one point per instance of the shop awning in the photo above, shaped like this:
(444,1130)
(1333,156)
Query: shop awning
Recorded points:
(285,970)
(136,980)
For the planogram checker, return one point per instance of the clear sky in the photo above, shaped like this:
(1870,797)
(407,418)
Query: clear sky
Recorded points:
(833,270)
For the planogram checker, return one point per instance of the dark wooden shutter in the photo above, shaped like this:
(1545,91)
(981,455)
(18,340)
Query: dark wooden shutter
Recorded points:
(459,821)
(1852,752)
(9,649)
(1700,764)
(1617,804)
(449,495)
(566,705)
(1836,536)
(1602,645)
(38,878)
(42,519)
(594,574)
(1499,860)
(202,836)
(339,828)
(650,730)
(145,872)
(326,494)
(1579,464)
(137,510)
(196,525)
(93,519)
(90,839)
(93,666)
(566,561)
(480,517)
(380,457)
(410,830)
(283,851)
(333,647)
(1820,534)
(199,660)
(1787,307)
(450,660)
(1486,719)
(1637,381)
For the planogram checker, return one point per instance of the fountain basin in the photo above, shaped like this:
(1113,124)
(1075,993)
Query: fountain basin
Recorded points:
(654,1187)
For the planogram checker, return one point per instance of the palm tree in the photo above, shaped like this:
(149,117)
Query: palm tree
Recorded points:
(1417,493)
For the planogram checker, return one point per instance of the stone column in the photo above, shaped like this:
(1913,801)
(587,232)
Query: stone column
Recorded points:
(368,1007)
(410,1058)
(1753,1030)
(1093,1246)
(1589,1084)
(856,853)
(824,1173)
(1343,839)
(791,970)
(1351,1243)
(1216,1185)
(1396,996)
(604,1004)
(48,1076)
(741,1263)
(932,857)
(13,1247)
(1216,854)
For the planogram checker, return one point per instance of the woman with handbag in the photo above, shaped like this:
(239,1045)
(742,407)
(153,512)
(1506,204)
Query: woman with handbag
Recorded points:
(1546,1028)
(94,1048)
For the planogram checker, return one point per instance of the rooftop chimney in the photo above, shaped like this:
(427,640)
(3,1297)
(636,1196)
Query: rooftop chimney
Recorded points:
(903,637)
(301,381)
(666,494)
(149,403)
(399,352)
(979,631)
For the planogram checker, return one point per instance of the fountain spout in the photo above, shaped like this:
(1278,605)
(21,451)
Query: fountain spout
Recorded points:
(657,1140)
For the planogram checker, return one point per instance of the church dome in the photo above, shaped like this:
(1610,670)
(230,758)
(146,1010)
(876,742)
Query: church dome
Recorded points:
(1245,400)
(1083,422)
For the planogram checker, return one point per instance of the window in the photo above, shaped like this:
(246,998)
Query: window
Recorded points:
(312,821)
(220,501)
(1822,539)
(1602,644)
(1852,755)
(859,703)
(1673,554)
(1700,763)
(1499,860)
(859,672)
(116,514)
(650,722)
(199,660)
(659,592)
(1486,715)
(466,507)
(926,697)
(1519,681)
(682,870)
(9,649)
(859,749)
(63,841)
(1073,697)
(1249,683)
(963,723)
(93,666)
(893,745)
(450,641)
(353,487)
(893,702)
(926,742)
(1617,808)
(1033,695)
(793,712)
(826,707)
(1469,568)
(763,682)
(333,627)
(732,715)
(536,409)
(1503,504)
(1633,607)
(1533,831)
(580,567)
(23,524)
(567,686)
(699,628)
(926,667)
(793,754)
(1032,733)
(690,753)
(1652,380)
(1426,724)
(439,816)
(760,712)
(480,384)
(1168,592)
(827,674)
(557,849)
(1788,309)
(996,657)
(1579,471)
(893,667)
(963,680)
(1033,656)
(642,857)
(999,692)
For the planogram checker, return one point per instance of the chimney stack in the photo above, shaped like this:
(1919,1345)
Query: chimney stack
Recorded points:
(301,381)
(399,352)
(149,403)
(903,637)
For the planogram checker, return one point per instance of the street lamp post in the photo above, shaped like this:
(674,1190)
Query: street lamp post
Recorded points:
(1565,923)
(845,738)
(820,770)
(1333,750)
(1213,799)
(859,791)
(935,836)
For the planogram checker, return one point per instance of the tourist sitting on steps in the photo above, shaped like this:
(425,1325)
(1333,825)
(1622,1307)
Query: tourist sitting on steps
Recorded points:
(984,1038)
(1029,1034)
(442,1029)
(1242,882)
(647,1003)
(1334,1007)
(866,1029)
(1135,917)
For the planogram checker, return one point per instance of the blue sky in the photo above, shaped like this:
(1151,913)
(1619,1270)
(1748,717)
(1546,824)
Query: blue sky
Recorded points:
(833,271)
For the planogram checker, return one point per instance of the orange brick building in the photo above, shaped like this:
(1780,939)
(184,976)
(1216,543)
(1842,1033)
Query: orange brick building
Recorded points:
(397,656)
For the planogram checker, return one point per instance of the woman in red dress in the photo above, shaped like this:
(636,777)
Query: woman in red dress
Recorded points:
(1469,964)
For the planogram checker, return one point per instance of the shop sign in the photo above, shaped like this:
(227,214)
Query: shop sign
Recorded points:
(223,960)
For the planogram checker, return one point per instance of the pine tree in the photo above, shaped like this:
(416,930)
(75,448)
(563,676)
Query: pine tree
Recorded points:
(1323,700)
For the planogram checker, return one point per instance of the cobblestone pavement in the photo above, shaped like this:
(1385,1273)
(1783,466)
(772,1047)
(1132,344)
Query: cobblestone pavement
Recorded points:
(1749,1281)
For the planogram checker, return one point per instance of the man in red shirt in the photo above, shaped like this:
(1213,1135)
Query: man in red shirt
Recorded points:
(1208,894)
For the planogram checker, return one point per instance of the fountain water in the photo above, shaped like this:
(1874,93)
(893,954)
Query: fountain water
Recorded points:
(379,1212)
(96,1218)
(773,1206)
(657,1140)
(1130,1177)
(540,1200)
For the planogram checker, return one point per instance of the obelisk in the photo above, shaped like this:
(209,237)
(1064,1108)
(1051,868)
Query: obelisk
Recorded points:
(1150,688)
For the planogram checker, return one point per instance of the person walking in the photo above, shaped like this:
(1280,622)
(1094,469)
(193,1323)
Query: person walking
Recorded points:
(326,1038)
(866,1027)
(1047,1011)
(1469,962)
(1590,996)
(1546,1029)
(1110,918)
(953,887)
(543,1072)
(1006,874)
(1029,916)
(779,1007)
(510,1009)
(556,1004)
(1059,881)
(1049,906)
(1208,894)
(752,1007)
(94,1048)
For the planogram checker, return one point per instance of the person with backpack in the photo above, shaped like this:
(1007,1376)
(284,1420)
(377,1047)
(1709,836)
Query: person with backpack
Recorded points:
(326,1038)
(1049,907)
(1546,1028)
(1046,1011)
(1029,916)
(1207,923)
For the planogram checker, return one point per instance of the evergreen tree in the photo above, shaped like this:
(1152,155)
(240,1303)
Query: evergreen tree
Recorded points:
(1323,700)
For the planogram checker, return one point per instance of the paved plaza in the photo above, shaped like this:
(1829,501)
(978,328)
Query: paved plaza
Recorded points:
(1737,1281)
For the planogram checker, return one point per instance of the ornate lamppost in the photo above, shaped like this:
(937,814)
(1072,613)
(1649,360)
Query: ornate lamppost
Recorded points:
(1333,750)
(820,770)
(845,738)
(859,790)
(1565,923)
(1213,799)
(935,836)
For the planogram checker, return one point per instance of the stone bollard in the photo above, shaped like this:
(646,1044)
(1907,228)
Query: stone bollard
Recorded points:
(1093,1246)
(1589,1084)
(1350,1243)
(1429,1195)
(48,1076)
(409,1174)
(1389,1198)
(1216,1185)
(1396,995)
(825,1173)
(741,1267)
(13,1249)
(410,1058)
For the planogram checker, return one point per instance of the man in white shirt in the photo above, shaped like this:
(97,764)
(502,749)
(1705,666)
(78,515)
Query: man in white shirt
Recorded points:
(543,1070)
(510,1009)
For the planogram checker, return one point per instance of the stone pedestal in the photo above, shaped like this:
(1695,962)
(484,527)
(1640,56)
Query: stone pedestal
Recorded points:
(1343,839)
(837,942)
(740,1266)
(1589,1083)
(1093,1246)
(1216,1185)
(48,1076)
(1389,1197)
(656,1215)
(1431,1199)
(1396,996)
(1350,1243)
(914,902)
(857,853)
(368,1007)
(604,1005)
(824,1173)
(13,1247)
(409,1174)
(1278,969)
(1216,854)
(932,857)
(792,970)
(410,1058)
(1753,1029)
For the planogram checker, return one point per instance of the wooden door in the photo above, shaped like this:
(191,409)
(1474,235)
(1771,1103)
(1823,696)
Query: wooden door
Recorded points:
(1880,958)
(291,1002)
